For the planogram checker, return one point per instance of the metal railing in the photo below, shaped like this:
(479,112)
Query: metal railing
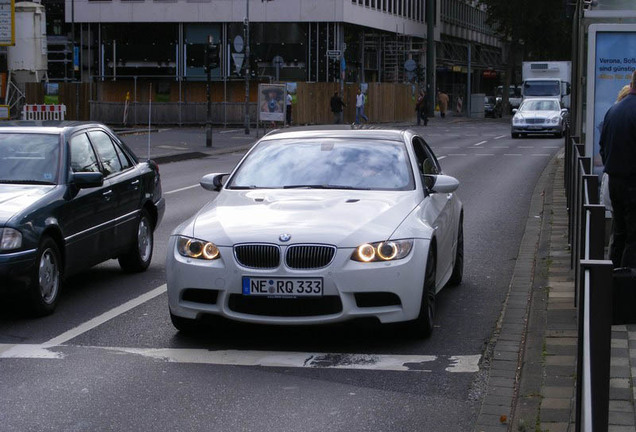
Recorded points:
(593,288)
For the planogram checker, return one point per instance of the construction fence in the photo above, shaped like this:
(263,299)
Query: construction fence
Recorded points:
(172,103)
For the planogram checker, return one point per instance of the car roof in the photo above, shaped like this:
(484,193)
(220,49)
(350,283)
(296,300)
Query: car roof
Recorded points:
(331,131)
(46,126)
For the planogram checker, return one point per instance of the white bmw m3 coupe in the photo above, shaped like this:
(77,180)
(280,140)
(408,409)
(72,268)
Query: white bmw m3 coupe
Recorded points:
(319,226)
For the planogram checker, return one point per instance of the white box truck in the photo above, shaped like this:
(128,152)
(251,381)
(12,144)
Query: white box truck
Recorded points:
(547,79)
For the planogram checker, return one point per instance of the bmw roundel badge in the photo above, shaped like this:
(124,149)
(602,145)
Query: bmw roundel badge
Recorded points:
(284,237)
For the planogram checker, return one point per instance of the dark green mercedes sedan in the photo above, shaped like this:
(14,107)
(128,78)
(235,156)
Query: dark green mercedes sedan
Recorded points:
(71,196)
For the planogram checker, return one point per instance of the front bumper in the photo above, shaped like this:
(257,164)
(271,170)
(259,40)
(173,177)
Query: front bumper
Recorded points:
(536,129)
(342,280)
(16,268)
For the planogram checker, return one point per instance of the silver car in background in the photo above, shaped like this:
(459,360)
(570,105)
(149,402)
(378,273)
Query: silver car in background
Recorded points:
(539,116)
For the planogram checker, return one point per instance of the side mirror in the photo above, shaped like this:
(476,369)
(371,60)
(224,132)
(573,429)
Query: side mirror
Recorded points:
(212,182)
(441,183)
(86,180)
(564,111)
(514,111)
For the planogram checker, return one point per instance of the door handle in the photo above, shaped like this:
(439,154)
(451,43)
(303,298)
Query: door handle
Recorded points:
(135,184)
(108,194)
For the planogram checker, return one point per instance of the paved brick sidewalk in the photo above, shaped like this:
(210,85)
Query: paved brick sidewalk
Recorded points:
(535,390)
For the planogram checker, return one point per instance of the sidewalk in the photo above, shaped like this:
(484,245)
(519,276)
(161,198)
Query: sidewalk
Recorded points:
(532,375)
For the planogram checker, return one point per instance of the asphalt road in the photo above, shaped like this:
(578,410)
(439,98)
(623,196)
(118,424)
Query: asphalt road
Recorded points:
(109,358)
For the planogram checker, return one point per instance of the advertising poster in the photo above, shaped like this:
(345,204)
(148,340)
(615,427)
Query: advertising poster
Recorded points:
(271,102)
(610,65)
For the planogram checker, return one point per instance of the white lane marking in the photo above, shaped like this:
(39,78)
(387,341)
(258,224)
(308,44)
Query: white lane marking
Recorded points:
(464,363)
(484,154)
(501,147)
(230,131)
(381,362)
(286,359)
(500,137)
(456,154)
(440,157)
(512,154)
(525,146)
(480,143)
(28,351)
(551,147)
(180,189)
(540,154)
(106,316)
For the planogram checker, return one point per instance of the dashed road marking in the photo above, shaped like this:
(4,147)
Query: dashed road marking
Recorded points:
(180,189)
(480,143)
(500,137)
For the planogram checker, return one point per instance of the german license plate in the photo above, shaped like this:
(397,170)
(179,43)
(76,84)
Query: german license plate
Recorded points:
(282,287)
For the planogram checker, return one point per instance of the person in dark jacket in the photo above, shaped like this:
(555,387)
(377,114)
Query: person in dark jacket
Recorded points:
(618,152)
(420,107)
(336,107)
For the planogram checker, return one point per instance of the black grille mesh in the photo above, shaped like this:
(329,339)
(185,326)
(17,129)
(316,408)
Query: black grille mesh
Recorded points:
(309,256)
(257,255)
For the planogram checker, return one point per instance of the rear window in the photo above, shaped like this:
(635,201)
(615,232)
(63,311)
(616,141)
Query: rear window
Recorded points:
(29,158)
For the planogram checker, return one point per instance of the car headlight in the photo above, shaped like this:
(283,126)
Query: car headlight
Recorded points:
(10,239)
(516,120)
(555,120)
(199,249)
(382,251)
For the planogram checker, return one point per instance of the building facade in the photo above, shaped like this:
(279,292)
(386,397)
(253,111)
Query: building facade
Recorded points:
(289,40)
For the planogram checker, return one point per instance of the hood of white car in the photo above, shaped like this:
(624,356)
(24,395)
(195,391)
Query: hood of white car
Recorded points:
(341,218)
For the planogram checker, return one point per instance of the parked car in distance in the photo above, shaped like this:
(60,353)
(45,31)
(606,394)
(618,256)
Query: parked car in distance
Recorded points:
(492,107)
(539,116)
(72,195)
(318,226)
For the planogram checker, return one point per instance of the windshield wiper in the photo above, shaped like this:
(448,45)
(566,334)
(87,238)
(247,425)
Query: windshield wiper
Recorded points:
(35,182)
(243,187)
(323,186)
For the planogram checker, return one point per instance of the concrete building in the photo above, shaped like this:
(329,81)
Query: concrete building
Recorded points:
(290,40)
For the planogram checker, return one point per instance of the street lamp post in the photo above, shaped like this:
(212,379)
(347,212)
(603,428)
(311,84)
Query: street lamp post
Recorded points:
(246,23)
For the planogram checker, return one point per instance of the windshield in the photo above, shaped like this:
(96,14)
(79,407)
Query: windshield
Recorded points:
(513,92)
(29,158)
(541,88)
(540,105)
(325,164)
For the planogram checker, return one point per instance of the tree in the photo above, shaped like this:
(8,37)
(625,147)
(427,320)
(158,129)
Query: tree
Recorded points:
(541,27)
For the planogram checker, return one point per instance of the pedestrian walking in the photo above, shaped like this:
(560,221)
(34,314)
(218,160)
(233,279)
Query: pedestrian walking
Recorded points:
(360,101)
(421,108)
(336,107)
(442,99)
(618,152)
(288,112)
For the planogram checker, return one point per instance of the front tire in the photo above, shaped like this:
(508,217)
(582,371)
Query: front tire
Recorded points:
(46,279)
(184,325)
(138,258)
(514,135)
(422,327)
(458,268)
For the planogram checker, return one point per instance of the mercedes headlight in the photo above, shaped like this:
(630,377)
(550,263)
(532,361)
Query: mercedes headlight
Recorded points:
(390,250)
(199,249)
(555,120)
(516,120)
(10,239)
